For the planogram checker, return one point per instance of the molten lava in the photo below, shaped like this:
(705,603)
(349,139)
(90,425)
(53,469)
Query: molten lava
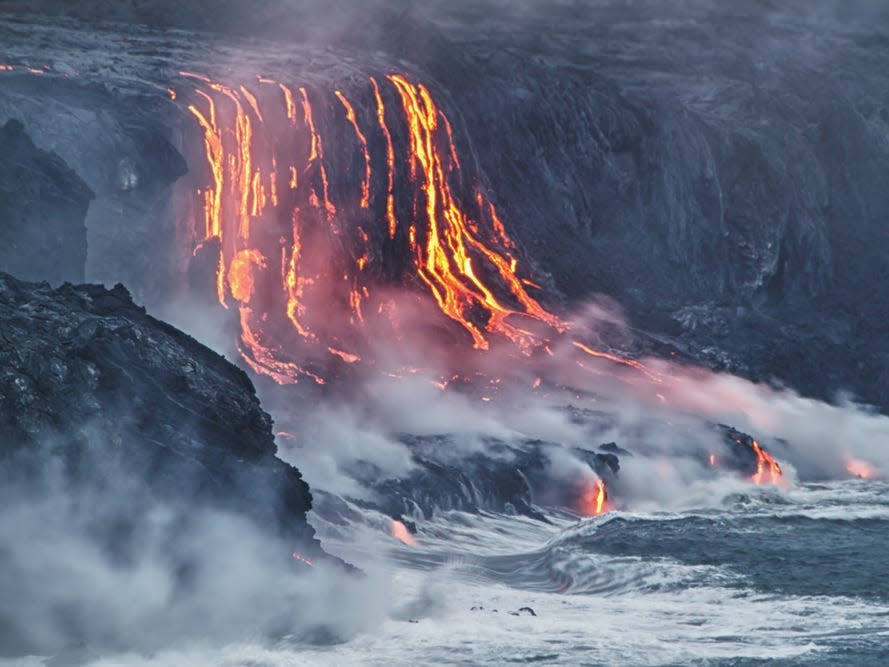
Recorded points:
(768,471)
(459,250)
(305,240)
(860,469)
(297,556)
(593,499)
(402,534)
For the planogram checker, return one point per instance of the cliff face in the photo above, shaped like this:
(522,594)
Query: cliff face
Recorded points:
(86,370)
(715,168)
(122,441)
(43,206)
(115,144)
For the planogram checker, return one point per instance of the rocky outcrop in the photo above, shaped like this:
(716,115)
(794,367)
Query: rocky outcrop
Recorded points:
(90,378)
(525,477)
(127,450)
(43,205)
(704,164)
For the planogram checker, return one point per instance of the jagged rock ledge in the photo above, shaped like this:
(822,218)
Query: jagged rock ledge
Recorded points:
(84,370)
(113,413)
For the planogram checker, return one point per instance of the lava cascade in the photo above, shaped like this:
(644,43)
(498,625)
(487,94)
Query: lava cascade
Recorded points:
(311,200)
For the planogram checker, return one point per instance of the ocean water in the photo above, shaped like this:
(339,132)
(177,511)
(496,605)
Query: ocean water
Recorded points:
(760,577)
(768,577)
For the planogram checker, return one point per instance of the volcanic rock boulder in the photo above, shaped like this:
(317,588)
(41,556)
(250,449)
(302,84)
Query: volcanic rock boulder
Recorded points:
(511,479)
(43,206)
(123,424)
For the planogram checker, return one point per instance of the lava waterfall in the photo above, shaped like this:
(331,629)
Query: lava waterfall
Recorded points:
(313,205)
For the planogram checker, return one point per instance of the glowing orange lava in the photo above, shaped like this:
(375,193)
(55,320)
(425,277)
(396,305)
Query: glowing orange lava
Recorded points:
(362,140)
(768,471)
(390,159)
(302,559)
(631,363)
(450,260)
(593,499)
(278,264)
(402,534)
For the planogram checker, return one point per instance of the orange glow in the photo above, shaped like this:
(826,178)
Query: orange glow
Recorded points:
(192,75)
(861,469)
(593,499)
(289,104)
(316,279)
(768,471)
(455,159)
(240,274)
(251,100)
(6,68)
(263,361)
(402,534)
(296,283)
(712,460)
(616,359)
(445,261)
(362,141)
(170,92)
(302,559)
(345,356)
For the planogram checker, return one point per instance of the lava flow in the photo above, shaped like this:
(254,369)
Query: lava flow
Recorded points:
(768,470)
(593,499)
(311,201)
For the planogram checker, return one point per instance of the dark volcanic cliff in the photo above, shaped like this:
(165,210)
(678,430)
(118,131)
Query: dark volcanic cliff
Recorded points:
(129,439)
(715,167)
(84,372)
(43,206)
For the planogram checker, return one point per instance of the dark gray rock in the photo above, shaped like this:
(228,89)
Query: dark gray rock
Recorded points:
(134,451)
(118,145)
(89,377)
(43,206)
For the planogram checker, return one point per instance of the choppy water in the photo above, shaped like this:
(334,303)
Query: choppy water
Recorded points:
(765,577)
(770,577)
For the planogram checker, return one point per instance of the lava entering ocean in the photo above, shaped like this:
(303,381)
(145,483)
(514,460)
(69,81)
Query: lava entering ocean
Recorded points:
(316,208)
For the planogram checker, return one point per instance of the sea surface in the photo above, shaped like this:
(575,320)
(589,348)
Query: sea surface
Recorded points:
(772,576)
(764,576)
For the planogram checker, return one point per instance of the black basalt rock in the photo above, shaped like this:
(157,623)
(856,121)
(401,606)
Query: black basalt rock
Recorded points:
(43,207)
(89,381)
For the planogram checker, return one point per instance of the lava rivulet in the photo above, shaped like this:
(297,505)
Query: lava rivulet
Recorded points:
(593,499)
